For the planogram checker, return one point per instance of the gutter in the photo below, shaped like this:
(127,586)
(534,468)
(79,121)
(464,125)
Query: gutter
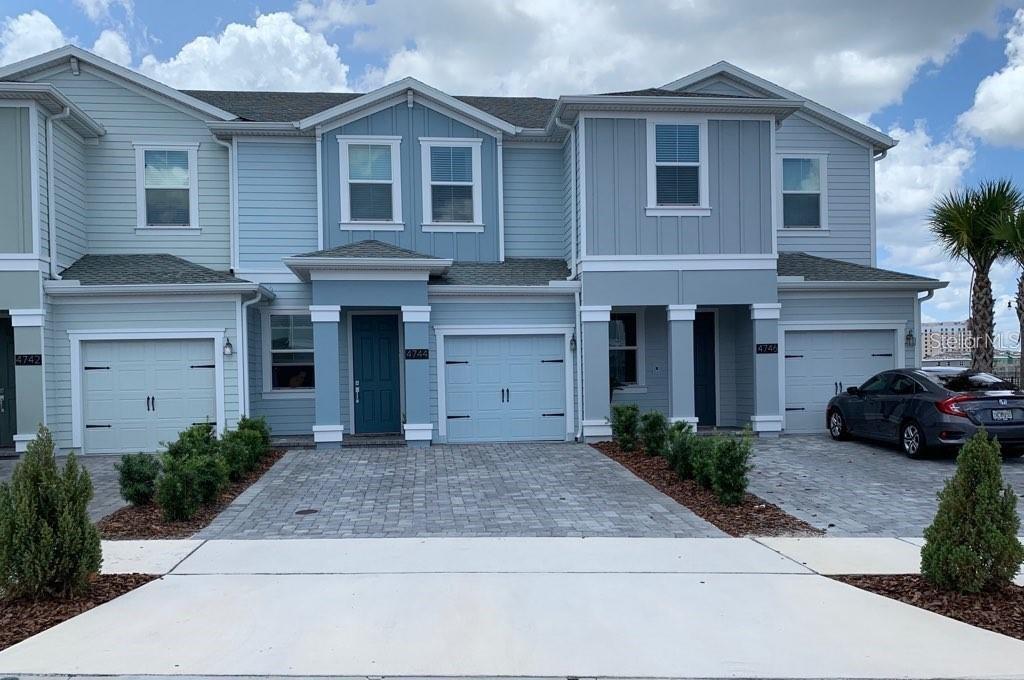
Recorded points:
(71,288)
(51,194)
(243,343)
(861,285)
(559,288)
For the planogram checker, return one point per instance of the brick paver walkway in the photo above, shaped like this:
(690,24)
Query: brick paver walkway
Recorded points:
(856,488)
(466,490)
(106,494)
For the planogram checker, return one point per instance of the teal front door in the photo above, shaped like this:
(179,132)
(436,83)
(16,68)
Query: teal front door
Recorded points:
(8,423)
(376,387)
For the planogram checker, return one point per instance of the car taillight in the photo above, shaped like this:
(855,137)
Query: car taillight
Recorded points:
(951,406)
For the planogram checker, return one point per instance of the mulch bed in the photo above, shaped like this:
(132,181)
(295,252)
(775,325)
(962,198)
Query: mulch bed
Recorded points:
(753,517)
(23,618)
(1000,611)
(147,521)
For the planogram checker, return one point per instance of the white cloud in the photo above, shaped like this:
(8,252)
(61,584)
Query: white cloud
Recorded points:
(997,115)
(275,53)
(28,34)
(100,9)
(113,46)
(837,53)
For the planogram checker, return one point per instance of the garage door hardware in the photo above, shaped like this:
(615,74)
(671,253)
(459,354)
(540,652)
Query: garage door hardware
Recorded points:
(450,363)
(97,368)
(96,427)
(795,408)
(203,366)
(794,356)
(457,417)
(553,415)
(882,354)
(552,361)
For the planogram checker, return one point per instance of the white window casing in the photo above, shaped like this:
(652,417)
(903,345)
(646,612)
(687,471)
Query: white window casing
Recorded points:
(639,349)
(429,224)
(269,392)
(346,221)
(703,206)
(822,160)
(192,150)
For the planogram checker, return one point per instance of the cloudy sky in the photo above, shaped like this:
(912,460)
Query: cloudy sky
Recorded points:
(945,77)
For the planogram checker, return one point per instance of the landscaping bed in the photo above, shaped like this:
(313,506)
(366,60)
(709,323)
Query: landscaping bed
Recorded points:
(1001,611)
(147,521)
(22,618)
(751,517)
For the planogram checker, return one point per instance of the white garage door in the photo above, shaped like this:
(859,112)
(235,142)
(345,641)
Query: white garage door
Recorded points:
(505,388)
(819,363)
(137,394)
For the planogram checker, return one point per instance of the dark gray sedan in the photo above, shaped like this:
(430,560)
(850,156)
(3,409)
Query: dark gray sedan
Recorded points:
(919,409)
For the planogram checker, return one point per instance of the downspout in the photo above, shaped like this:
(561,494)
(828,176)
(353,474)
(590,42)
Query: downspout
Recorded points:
(243,343)
(579,366)
(51,194)
(917,322)
(232,221)
(501,196)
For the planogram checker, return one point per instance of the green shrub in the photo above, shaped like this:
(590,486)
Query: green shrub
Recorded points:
(703,451)
(625,423)
(972,543)
(48,545)
(242,451)
(680,449)
(197,440)
(211,476)
(654,433)
(731,465)
(137,475)
(177,489)
(258,425)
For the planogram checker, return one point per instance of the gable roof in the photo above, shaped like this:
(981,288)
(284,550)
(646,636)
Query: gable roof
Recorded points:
(515,271)
(370,248)
(811,268)
(41,62)
(865,133)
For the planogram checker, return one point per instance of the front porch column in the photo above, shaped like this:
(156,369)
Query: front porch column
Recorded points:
(327,427)
(28,374)
(418,427)
(596,375)
(767,418)
(682,403)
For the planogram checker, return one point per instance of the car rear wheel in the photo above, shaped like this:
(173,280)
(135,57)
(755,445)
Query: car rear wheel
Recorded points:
(912,439)
(837,425)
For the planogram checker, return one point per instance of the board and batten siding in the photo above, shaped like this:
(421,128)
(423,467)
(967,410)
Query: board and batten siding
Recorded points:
(287,415)
(848,181)
(739,179)
(69,181)
(129,315)
(276,202)
(411,124)
(534,201)
(15,187)
(112,216)
(497,314)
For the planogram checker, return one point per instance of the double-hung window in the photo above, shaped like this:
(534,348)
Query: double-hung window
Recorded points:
(289,359)
(371,191)
(167,187)
(677,182)
(625,350)
(803,192)
(451,184)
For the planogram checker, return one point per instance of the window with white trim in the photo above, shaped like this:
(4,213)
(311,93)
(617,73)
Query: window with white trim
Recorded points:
(290,352)
(677,167)
(625,351)
(451,184)
(371,191)
(803,192)
(168,187)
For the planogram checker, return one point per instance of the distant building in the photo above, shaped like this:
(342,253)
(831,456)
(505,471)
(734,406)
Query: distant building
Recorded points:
(944,338)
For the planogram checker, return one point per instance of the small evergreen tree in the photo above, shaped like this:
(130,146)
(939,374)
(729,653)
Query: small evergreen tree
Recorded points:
(625,423)
(654,433)
(731,465)
(136,476)
(972,544)
(48,545)
(680,449)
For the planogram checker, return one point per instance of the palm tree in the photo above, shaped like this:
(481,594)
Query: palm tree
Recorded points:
(965,222)
(1011,233)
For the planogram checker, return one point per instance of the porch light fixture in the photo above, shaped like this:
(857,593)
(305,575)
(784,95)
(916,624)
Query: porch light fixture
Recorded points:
(572,343)
(909,339)
(228,348)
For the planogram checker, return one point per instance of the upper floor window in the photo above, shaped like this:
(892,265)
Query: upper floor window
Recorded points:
(371,189)
(167,186)
(677,168)
(289,358)
(803,192)
(451,184)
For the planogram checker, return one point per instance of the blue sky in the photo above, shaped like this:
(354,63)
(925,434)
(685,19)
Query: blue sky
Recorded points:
(942,76)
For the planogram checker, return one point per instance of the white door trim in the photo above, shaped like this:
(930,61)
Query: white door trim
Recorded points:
(78,337)
(441,332)
(897,328)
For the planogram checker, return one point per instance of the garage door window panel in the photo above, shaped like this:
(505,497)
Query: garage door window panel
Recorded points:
(291,352)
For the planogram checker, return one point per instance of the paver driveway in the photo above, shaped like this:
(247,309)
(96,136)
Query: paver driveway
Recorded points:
(465,490)
(855,488)
(106,495)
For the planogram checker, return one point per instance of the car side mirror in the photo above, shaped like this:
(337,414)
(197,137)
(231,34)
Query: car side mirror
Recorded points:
(853,391)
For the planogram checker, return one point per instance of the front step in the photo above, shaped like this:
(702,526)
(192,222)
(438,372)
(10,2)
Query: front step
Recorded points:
(373,440)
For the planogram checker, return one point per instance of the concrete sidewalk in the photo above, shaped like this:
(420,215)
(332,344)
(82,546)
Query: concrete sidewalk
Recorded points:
(594,607)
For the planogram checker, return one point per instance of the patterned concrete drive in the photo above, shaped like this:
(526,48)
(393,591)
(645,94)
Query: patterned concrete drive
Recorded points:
(856,488)
(106,495)
(467,490)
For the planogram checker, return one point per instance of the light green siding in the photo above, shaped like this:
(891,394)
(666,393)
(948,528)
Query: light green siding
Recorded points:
(15,181)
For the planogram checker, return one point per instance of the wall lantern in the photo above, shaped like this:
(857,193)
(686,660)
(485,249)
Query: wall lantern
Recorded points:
(228,348)
(909,339)
(572,343)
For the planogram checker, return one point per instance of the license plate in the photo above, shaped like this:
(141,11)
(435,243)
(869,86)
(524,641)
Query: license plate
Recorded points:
(1002,414)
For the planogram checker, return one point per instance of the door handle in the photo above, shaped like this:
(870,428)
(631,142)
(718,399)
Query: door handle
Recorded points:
(835,387)
(357,394)
(502,395)
(508,395)
(153,401)
(3,409)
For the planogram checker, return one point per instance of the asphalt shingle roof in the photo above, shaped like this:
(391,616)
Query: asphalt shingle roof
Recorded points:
(511,272)
(814,268)
(371,249)
(661,92)
(269,107)
(150,269)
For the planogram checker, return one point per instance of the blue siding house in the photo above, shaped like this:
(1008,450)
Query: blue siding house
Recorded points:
(407,263)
